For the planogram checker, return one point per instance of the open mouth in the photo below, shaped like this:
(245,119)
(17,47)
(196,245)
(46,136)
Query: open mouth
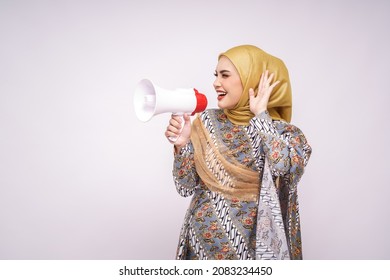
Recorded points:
(221,94)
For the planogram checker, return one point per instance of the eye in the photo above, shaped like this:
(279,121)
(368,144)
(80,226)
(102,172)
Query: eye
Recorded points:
(223,74)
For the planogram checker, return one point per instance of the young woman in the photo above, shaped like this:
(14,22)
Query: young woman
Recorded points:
(241,163)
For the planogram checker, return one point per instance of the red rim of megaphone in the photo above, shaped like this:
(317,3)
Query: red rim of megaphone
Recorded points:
(201,102)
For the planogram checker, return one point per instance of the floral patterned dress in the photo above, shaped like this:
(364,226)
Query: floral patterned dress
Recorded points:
(216,227)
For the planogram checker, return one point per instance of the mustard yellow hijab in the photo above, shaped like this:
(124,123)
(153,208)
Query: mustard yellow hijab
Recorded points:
(251,62)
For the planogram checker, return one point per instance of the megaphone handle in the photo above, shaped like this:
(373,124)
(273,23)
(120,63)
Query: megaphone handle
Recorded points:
(174,139)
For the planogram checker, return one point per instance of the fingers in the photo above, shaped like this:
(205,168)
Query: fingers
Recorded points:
(251,96)
(251,93)
(177,124)
(176,121)
(271,87)
(186,118)
(265,86)
(270,77)
(264,82)
(262,79)
(169,133)
(259,102)
(174,127)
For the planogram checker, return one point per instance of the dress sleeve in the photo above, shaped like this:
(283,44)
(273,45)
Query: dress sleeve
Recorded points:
(283,144)
(184,173)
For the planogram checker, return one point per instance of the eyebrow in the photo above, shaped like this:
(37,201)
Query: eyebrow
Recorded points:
(223,71)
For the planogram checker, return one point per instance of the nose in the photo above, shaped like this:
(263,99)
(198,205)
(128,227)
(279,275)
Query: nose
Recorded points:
(216,83)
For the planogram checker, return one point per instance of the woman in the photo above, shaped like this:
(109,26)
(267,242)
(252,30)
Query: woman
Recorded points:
(242,163)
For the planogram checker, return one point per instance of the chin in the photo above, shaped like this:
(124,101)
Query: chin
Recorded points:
(220,106)
(223,106)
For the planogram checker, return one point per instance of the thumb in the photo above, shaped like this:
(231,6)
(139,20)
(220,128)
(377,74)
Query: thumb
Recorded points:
(251,93)
(186,118)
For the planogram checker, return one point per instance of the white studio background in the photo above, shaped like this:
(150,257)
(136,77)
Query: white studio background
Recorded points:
(82,178)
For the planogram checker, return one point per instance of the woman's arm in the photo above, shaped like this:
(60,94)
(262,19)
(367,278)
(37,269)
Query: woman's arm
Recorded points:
(184,172)
(284,145)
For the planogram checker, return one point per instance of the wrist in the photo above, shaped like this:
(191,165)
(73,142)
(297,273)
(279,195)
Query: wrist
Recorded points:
(260,112)
(177,149)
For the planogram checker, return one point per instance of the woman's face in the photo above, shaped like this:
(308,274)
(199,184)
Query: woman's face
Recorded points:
(227,84)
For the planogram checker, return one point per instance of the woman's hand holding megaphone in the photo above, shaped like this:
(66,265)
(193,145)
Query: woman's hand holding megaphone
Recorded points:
(179,133)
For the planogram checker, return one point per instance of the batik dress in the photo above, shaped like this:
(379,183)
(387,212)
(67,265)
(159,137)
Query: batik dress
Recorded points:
(217,227)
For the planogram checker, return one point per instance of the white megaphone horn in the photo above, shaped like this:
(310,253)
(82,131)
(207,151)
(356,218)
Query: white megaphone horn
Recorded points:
(151,100)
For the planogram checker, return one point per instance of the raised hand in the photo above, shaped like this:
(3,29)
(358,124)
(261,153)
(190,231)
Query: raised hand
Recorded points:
(258,103)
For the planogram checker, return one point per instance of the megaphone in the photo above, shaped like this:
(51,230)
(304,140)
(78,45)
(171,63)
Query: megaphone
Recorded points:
(151,100)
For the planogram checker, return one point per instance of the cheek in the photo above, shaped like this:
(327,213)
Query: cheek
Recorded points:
(236,97)
(238,91)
